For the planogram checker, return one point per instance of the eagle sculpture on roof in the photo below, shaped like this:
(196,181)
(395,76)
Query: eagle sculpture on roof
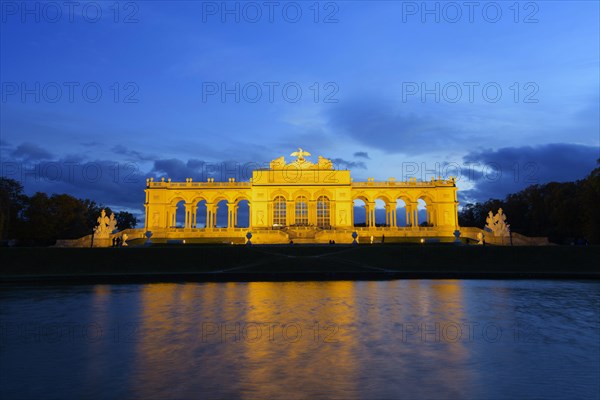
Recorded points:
(300,154)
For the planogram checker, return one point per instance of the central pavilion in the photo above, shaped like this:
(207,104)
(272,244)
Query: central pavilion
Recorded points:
(300,201)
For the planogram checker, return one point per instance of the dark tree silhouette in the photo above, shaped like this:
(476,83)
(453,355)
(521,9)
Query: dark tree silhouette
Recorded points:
(564,212)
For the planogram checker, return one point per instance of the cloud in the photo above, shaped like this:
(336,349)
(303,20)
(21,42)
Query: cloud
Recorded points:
(378,124)
(510,169)
(200,170)
(339,163)
(362,154)
(31,152)
(106,182)
(133,154)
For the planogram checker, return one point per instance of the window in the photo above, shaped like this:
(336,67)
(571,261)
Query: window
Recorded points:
(301,211)
(279,211)
(323,212)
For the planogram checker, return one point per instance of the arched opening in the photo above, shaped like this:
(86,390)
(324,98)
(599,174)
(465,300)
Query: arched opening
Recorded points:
(426,212)
(242,214)
(401,213)
(323,212)
(200,221)
(380,211)
(279,211)
(179,215)
(221,214)
(360,212)
(301,215)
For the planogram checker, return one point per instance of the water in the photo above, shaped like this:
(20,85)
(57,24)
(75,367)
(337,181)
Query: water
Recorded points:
(429,339)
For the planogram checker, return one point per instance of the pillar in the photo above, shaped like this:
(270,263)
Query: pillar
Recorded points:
(371,214)
(415,212)
(230,215)
(189,215)
(390,214)
(312,212)
(290,212)
(209,216)
(173,217)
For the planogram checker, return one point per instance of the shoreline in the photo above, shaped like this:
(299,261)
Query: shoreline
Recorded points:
(225,263)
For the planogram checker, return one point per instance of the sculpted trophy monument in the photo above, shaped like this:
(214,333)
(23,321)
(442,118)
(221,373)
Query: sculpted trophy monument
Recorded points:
(105,226)
(497,224)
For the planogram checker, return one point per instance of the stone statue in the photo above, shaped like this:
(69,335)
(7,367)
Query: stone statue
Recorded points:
(324,163)
(497,224)
(124,238)
(112,223)
(278,163)
(480,237)
(102,230)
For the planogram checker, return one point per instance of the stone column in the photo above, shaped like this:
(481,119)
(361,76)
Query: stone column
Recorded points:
(188,215)
(173,214)
(209,215)
(290,212)
(415,210)
(194,215)
(371,214)
(312,212)
(249,216)
(230,215)
(387,215)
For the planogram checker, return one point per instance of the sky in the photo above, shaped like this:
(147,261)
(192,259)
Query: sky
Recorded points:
(98,96)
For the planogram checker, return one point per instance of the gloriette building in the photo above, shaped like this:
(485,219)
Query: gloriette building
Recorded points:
(302,201)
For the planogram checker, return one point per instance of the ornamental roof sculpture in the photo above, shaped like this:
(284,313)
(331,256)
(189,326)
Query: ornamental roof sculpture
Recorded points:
(302,163)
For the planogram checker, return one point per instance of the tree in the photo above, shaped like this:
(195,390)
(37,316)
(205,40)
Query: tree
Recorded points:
(125,220)
(12,204)
(564,212)
(590,199)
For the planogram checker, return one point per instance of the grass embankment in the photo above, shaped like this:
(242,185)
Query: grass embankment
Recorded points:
(297,262)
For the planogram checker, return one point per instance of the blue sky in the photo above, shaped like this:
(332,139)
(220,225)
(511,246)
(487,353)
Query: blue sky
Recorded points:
(97,97)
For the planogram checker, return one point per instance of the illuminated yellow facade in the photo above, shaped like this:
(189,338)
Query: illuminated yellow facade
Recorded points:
(300,201)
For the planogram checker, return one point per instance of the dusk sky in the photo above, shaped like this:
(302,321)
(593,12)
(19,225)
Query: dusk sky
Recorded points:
(95,97)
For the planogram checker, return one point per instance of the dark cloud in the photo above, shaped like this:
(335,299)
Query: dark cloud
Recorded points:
(362,154)
(200,170)
(132,154)
(510,169)
(118,185)
(339,163)
(31,152)
(376,123)
(176,169)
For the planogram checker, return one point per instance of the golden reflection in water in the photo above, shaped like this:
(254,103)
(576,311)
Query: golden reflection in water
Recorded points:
(96,333)
(268,340)
(310,340)
(453,331)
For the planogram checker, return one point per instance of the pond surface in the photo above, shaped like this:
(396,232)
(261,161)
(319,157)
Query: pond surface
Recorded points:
(412,339)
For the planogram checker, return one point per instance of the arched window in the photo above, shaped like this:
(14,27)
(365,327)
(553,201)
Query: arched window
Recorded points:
(301,211)
(279,211)
(323,212)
